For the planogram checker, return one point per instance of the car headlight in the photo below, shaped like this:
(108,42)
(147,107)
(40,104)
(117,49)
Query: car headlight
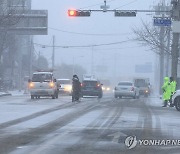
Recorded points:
(146,91)
(31,85)
(103,88)
(51,84)
(68,88)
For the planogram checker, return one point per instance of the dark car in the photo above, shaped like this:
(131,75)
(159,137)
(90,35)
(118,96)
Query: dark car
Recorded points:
(91,88)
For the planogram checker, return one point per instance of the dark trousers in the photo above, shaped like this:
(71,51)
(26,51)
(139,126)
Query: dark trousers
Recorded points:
(165,102)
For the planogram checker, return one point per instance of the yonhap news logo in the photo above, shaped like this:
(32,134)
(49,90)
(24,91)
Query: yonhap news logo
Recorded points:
(131,142)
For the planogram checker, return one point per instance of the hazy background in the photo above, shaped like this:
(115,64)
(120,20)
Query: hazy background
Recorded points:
(120,59)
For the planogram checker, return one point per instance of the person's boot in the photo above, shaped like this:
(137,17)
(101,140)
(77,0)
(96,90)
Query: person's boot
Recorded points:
(165,104)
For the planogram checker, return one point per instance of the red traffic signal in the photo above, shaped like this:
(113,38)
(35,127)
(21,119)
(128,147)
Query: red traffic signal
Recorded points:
(72,12)
(79,13)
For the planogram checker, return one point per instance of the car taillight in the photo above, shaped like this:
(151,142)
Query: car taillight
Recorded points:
(146,91)
(31,85)
(51,84)
(132,89)
(98,85)
(82,85)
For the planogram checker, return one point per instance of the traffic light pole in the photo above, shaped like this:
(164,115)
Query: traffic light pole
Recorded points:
(53,53)
(175,41)
(120,13)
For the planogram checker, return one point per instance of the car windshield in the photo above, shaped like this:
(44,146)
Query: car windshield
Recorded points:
(125,84)
(140,83)
(42,77)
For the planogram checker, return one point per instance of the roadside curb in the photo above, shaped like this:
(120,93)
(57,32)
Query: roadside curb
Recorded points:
(2,95)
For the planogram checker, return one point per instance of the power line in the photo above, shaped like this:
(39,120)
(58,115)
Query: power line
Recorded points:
(126,4)
(96,4)
(90,34)
(83,46)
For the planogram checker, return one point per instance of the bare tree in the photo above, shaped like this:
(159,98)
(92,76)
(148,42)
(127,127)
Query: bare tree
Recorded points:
(158,40)
(150,36)
(8,19)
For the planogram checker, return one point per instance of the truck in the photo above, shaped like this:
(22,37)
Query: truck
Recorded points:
(144,86)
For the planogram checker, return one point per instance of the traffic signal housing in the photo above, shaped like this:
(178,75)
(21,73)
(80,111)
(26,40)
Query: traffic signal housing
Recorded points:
(125,13)
(78,13)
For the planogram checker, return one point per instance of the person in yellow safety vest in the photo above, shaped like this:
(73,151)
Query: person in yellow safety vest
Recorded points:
(166,91)
(173,89)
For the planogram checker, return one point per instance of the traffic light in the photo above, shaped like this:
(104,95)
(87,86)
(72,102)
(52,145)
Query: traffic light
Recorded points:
(125,13)
(78,13)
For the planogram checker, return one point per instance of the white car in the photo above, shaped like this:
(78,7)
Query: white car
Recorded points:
(176,100)
(65,86)
(126,89)
(43,84)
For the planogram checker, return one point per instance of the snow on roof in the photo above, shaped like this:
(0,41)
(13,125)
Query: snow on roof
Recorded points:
(63,79)
(42,73)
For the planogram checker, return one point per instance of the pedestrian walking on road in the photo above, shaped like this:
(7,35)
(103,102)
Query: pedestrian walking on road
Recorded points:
(76,88)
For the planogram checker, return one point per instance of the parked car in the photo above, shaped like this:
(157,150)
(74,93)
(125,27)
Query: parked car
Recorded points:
(65,86)
(126,89)
(43,84)
(176,100)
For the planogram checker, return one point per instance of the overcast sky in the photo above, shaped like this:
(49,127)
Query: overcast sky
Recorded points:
(125,56)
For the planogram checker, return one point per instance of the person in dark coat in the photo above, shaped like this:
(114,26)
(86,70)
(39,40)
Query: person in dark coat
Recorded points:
(76,88)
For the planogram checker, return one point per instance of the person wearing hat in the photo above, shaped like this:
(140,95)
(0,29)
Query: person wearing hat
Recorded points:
(76,88)
(166,91)
(173,89)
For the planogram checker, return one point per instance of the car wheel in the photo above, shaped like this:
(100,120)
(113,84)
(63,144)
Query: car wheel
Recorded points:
(177,103)
(100,96)
(134,97)
(54,96)
(145,95)
(32,96)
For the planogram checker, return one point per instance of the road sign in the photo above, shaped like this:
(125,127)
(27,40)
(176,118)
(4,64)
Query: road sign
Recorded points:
(144,68)
(162,22)
(176,26)
(31,22)
(125,13)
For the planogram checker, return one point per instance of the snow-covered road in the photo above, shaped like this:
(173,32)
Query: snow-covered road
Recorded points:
(90,126)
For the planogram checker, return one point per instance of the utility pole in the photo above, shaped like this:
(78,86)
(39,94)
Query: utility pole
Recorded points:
(162,31)
(39,55)
(175,41)
(31,56)
(168,53)
(161,16)
(53,52)
(92,60)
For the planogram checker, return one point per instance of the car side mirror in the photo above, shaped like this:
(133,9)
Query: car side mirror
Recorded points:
(54,80)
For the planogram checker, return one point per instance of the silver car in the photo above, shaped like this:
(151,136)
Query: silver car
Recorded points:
(126,89)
